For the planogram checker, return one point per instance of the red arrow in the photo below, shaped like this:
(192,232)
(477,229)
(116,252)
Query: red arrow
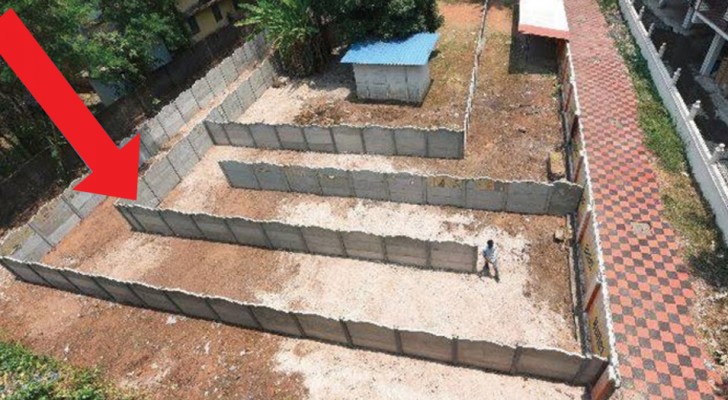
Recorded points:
(113,171)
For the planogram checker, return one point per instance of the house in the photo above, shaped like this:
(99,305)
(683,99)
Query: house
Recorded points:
(393,70)
(204,17)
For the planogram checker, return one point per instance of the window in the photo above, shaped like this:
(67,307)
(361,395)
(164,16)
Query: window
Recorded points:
(216,11)
(194,27)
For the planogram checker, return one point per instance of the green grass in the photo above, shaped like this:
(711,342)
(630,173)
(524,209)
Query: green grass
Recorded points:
(26,376)
(684,207)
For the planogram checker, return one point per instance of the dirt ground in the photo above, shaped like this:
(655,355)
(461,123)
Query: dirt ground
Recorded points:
(172,357)
(330,98)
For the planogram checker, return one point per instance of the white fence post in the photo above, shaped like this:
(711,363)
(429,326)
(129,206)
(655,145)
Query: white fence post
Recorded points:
(694,109)
(718,153)
(663,47)
(676,76)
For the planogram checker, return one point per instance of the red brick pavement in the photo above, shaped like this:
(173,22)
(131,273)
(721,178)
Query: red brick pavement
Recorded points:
(650,293)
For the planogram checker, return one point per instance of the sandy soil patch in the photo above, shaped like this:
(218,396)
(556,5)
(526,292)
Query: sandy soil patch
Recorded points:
(330,98)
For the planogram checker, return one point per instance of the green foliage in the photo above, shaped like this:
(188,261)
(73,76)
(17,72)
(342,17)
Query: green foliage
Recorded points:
(356,20)
(293,30)
(26,376)
(296,28)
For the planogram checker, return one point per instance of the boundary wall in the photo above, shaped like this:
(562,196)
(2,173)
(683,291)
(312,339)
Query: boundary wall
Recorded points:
(60,215)
(592,291)
(546,363)
(474,74)
(450,256)
(344,139)
(712,184)
(156,131)
(525,197)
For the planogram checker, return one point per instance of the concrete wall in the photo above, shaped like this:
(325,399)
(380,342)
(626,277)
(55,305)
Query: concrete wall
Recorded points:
(548,363)
(558,198)
(592,298)
(450,256)
(392,82)
(343,139)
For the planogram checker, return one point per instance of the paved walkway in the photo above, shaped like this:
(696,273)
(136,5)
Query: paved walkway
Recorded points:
(650,293)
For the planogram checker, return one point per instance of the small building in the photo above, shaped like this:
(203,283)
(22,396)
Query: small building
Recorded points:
(393,70)
(205,17)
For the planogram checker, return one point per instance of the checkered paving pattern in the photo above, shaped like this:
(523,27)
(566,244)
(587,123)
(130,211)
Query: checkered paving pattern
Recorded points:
(650,293)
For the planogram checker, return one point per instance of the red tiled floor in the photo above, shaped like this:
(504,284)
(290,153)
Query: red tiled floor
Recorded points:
(659,355)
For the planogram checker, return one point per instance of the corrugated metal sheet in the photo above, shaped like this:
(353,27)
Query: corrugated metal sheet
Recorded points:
(414,50)
(543,18)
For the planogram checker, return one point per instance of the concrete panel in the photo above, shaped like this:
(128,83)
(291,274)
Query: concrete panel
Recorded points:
(200,140)
(147,147)
(257,83)
(181,224)
(453,256)
(593,368)
(245,95)
(547,363)
(410,142)
(202,92)
(406,188)
(370,185)
(126,213)
(192,305)
(370,336)
(154,129)
(154,298)
(378,140)
(323,241)
(427,345)
(335,182)
(23,243)
(268,71)
(286,237)
(231,107)
(239,134)
(348,139)
(86,285)
(240,60)
(486,194)
(261,48)
(145,196)
(444,143)
(239,175)
(171,119)
(291,137)
(527,197)
(276,321)
(216,81)
(22,271)
(229,72)
(82,203)
(445,191)
(363,245)
(248,232)
(214,228)
(565,198)
(54,221)
(187,105)
(318,327)
(404,250)
(271,177)
(217,133)
(302,179)
(120,291)
(150,220)
(486,355)
(182,157)
(233,313)
(249,51)
(264,136)
(217,115)
(161,178)
(319,139)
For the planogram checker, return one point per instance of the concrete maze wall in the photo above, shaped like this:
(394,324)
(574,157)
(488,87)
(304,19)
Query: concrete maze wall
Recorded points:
(23,248)
(525,197)
(546,363)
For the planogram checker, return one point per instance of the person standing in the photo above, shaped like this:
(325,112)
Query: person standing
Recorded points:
(490,253)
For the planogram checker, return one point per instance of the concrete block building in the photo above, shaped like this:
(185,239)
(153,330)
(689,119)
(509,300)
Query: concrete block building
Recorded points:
(393,70)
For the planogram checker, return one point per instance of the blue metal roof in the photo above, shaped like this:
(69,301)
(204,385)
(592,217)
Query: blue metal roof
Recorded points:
(414,50)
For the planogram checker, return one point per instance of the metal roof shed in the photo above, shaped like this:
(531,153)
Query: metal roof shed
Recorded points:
(393,70)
